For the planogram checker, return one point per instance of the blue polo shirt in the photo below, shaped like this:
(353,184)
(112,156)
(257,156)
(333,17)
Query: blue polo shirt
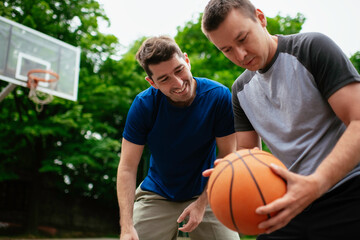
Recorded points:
(181,140)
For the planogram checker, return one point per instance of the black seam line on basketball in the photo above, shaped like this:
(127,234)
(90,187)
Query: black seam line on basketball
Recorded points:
(231,184)
(218,176)
(260,161)
(230,197)
(256,183)
(253,155)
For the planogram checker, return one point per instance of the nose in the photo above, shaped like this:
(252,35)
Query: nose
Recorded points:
(240,54)
(178,82)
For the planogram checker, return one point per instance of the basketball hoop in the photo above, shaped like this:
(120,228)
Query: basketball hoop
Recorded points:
(40,98)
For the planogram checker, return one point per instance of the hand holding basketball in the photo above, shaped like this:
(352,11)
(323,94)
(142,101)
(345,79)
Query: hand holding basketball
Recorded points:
(301,192)
(239,184)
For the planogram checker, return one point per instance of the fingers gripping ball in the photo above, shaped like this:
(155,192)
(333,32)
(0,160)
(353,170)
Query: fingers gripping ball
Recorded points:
(240,183)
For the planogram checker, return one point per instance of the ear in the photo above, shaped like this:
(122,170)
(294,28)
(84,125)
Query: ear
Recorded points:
(187,60)
(152,83)
(261,17)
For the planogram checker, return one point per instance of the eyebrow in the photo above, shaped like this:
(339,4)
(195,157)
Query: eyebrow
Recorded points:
(162,76)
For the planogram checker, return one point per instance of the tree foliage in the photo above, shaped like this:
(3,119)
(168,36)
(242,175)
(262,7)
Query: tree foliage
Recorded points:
(70,146)
(355,59)
(44,136)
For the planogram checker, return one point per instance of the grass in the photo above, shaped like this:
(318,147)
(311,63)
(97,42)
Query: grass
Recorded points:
(242,238)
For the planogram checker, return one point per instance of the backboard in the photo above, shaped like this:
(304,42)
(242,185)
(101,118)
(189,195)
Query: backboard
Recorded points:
(23,49)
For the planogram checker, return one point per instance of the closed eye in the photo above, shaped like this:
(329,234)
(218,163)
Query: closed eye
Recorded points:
(163,79)
(225,50)
(243,39)
(179,70)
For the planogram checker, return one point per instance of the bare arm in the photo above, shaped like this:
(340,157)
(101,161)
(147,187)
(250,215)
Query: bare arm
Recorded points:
(125,186)
(248,139)
(226,145)
(346,153)
(196,210)
(303,190)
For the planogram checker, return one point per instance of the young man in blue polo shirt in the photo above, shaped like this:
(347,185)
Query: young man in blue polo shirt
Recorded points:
(182,119)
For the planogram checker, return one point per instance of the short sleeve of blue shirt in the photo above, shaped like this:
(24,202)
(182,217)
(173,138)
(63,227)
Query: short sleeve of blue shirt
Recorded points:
(141,116)
(224,119)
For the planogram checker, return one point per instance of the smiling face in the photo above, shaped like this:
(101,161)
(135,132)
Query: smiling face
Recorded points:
(244,41)
(174,79)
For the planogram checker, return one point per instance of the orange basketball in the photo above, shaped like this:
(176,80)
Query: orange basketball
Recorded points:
(240,183)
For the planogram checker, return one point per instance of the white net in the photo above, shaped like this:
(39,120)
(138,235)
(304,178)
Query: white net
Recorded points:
(41,77)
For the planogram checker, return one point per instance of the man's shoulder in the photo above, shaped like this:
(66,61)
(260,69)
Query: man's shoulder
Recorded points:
(310,42)
(206,85)
(147,99)
(242,80)
(148,95)
(308,36)
(149,92)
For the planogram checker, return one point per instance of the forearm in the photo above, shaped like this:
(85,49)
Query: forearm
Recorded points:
(226,145)
(341,160)
(126,184)
(247,139)
(203,200)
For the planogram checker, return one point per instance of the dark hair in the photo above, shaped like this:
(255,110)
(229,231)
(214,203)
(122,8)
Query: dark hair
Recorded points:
(155,50)
(217,10)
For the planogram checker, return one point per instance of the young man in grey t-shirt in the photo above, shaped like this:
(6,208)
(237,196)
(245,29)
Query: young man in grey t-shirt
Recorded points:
(301,95)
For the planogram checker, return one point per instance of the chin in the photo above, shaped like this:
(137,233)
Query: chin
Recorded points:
(252,68)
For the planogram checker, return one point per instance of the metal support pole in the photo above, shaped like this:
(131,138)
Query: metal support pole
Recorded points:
(7,90)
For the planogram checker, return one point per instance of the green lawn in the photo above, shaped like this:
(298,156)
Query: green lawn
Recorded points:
(242,238)
(248,238)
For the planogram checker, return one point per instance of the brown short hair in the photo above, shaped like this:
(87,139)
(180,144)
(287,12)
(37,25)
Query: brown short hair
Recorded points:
(155,50)
(217,10)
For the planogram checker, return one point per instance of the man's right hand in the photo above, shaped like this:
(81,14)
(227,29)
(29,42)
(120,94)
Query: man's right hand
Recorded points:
(131,234)
(209,171)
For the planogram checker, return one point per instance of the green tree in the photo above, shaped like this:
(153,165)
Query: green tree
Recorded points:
(355,59)
(71,146)
(285,25)
(128,77)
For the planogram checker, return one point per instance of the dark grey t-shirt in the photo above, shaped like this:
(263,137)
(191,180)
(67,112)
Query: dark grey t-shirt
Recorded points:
(286,103)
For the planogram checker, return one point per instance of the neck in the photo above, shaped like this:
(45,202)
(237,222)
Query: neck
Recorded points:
(273,44)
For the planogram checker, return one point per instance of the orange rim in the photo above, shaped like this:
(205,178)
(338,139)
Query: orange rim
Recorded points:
(33,80)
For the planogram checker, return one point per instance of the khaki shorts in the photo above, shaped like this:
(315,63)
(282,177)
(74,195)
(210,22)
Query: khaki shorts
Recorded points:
(155,219)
